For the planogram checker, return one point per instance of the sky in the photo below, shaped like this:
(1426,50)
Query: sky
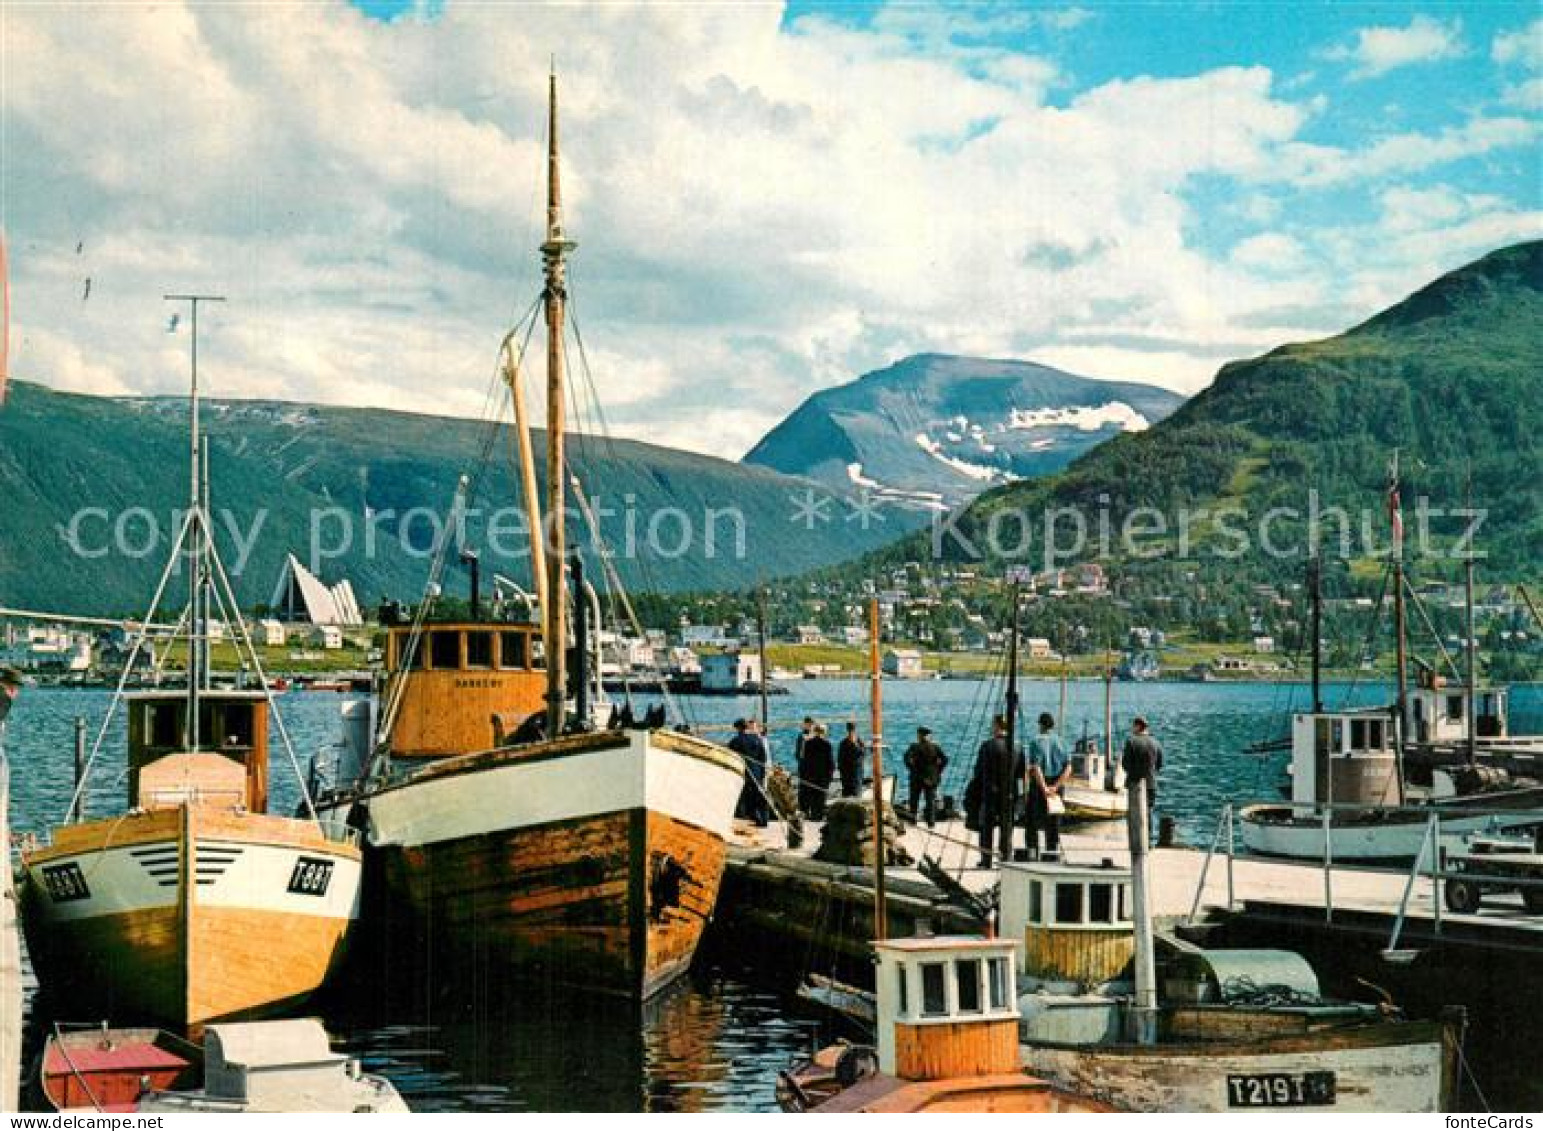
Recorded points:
(768,199)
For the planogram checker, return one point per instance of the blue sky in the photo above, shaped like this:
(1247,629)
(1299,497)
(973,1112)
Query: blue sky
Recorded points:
(769,199)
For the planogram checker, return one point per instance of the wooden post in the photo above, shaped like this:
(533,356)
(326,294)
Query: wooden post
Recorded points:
(1144,1014)
(760,633)
(876,708)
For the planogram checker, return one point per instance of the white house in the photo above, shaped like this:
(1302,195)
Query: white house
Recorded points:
(272,633)
(328,636)
(730,671)
(704,636)
(808,634)
(1264,645)
(903,663)
(1039,648)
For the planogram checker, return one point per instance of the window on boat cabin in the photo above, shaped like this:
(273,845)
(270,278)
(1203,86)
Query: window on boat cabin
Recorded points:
(232,725)
(163,727)
(479,649)
(1100,903)
(1068,903)
(934,990)
(900,978)
(1036,902)
(411,654)
(1366,734)
(445,650)
(967,985)
(997,974)
(512,650)
(1124,911)
(1454,706)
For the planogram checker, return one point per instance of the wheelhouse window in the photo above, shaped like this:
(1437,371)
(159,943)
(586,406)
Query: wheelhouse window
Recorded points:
(1366,734)
(1101,903)
(1068,903)
(512,650)
(905,1004)
(445,648)
(967,984)
(1036,902)
(997,976)
(479,649)
(934,990)
(1454,707)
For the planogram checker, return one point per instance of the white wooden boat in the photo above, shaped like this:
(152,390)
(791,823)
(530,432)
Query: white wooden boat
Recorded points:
(1235,1030)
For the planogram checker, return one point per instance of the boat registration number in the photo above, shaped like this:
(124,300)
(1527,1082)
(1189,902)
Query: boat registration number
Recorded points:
(311,876)
(65,882)
(1281,1089)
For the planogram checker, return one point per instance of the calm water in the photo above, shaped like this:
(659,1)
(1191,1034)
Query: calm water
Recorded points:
(716,1041)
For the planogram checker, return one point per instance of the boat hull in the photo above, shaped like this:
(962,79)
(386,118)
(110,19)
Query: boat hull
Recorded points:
(592,862)
(1384,1067)
(1094,803)
(1277,830)
(183,916)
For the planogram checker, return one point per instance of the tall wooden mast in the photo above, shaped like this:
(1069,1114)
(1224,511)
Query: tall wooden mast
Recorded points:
(554,255)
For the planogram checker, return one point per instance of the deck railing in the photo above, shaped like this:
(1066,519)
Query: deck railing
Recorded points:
(1430,861)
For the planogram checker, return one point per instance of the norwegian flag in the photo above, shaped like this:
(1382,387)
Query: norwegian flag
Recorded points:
(1395,507)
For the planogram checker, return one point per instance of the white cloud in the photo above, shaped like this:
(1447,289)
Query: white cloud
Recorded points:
(1524,46)
(762,209)
(1378,50)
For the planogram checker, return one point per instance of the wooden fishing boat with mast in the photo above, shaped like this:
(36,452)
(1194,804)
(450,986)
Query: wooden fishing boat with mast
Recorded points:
(194,903)
(509,820)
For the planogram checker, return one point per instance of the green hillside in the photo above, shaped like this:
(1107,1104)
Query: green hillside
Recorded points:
(63,455)
(1453,373)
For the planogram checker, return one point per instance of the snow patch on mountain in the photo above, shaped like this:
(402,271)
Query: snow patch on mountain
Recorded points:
(964,467)
(1084,419)
(928,500)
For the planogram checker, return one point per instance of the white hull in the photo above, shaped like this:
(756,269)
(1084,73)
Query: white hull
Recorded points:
(1094,803)
(1394,839)
(1195,1077)
(521,793)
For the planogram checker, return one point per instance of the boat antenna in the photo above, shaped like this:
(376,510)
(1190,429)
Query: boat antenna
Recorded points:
(1473,647)
(1315,594)
(197,531)
(554,256)
(1396,525)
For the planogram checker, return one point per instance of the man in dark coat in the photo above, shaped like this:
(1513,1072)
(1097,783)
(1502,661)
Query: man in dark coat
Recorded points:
(849,762)
(816,768)
(1142,759)
(750,746)
(999,774)
(924,761)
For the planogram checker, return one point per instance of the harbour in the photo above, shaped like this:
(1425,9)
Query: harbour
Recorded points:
(716,1041)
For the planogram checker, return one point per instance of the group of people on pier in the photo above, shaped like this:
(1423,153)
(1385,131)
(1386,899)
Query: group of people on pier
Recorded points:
(1011,786)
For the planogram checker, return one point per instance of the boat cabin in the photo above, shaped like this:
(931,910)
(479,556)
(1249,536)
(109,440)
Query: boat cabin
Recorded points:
(947,1007)
(1073,920)
(464,687)
(229,768)
(1345,757)
(1438,711)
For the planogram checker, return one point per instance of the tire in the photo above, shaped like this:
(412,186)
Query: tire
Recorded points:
(1463,896)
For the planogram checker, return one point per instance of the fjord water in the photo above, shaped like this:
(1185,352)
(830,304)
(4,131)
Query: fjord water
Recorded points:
(716,1040)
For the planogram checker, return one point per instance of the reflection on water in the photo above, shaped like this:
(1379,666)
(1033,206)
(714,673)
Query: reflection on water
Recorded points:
(716,1040)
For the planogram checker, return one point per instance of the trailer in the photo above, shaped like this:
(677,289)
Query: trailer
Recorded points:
(1494,867)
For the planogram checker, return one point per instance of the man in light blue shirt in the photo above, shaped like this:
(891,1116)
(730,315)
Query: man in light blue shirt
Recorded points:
(1048,770)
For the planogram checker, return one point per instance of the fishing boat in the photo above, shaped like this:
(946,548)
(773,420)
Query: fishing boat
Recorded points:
(192,903)
(264,1066)
(1352,797)
(947,1041)
(1094,789)
(512,814)
(1197,1030)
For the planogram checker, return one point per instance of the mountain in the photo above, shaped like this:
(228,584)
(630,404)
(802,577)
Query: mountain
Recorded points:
(1452,374)
(365,486)
(935,430)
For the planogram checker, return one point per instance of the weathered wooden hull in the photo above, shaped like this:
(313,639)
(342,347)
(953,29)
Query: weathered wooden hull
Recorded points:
(1381,1067)
(182,916)
(593,862)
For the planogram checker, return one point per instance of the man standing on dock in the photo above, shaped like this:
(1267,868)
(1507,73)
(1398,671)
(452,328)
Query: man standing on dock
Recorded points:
(998,770)
(1048,769)
(749,745)
(924,762)
(816,768)
(1142,760)
(849,762)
